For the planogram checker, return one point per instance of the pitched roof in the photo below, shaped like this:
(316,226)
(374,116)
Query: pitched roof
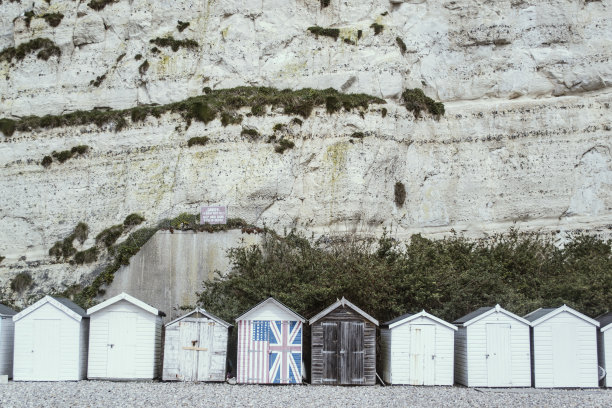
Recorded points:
(473,314)
(485,311)
(541,315)
(65,305)
(605,321)
(344,303)
(6,311)
(409,316)
(202,312)
(275,302)
(128,298)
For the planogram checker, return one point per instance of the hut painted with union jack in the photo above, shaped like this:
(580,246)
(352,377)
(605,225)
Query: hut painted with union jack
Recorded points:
(269,345)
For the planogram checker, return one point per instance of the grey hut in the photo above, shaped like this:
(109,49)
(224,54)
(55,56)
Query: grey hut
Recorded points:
(195,348)
(7,330)
(343,345)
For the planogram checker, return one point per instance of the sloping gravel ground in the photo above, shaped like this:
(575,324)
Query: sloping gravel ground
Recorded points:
(156,394)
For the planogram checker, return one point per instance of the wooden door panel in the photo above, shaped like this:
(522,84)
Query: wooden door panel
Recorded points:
(330,353)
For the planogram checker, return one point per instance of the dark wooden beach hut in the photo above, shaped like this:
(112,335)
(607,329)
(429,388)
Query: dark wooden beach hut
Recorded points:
(343,346)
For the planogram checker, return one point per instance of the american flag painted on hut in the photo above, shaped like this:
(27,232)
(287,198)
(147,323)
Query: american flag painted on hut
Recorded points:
(269,352)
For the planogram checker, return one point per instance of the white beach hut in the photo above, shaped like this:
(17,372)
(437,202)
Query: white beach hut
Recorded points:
(492,349)
(564,348)
(417,349)
(51,341)
(195,347)
(125,340)
(269,345)
(604,346)
(6,340)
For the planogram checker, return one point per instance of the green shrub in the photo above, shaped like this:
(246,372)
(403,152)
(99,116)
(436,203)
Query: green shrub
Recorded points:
(383,112)
(283,145)
(175,45)
(325,3)
(133,220)
(278,127)
(143,68)
(53,19)
(416,101)
(297,121)
(258,110)
(332,104)
(358,135)
(204,107)
(326,32)
(7,127)
(45,47)
(98,81)
(85,257)
(46,161)
(448,277)
(399,191)
(202,140)
(80,232)
(138,57)
(401,44)
(378,28)
(110,235)
(230,119)
(250,133)
(22,281)
(80,149)
(100,4)
(181,26)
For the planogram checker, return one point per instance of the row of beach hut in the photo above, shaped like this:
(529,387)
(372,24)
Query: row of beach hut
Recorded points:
(121,338)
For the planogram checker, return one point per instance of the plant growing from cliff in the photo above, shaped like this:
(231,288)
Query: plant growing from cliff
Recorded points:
(228,118)
(143,68)
(325,3)
(64,248)
(85,257)
(202,140)
(45,47)
(7,127)
(132,220)
(283,145)
(98,81)
(358,135)
(53,19)
(138,57)
(383,112)
(326,32)
(378,28)
(250,133)
(203,108)
(2,258)
(181,26)
(22,281)
(65,155)
(401,44)
(175,45)
(100,4)
(416,101)
(399,192)
(110,235)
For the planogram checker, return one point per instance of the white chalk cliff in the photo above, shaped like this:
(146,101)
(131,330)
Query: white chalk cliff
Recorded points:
(526,139)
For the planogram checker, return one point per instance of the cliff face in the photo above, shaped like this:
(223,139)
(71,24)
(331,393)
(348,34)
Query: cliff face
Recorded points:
(525,140)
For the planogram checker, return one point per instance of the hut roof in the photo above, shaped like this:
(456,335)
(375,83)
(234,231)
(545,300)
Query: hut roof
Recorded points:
(605,320)
(267,301)
(202,312)
(128,298)
(344,303)
(484,312)
(541,315)
(65,305)
(412,316)
(6,311)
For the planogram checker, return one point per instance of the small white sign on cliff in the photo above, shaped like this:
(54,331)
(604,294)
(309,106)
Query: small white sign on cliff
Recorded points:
(213,215)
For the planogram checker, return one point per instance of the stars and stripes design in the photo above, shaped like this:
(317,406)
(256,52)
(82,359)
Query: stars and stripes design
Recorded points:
(269,352)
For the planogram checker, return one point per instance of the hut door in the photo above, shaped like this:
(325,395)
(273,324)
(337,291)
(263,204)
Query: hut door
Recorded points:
(351,353)
(422,354)
(564,357)
(330,353)
(121,346)
(204,352)
(499,366)
(46,350)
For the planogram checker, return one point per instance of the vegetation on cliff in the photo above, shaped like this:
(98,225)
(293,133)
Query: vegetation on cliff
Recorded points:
(448,277)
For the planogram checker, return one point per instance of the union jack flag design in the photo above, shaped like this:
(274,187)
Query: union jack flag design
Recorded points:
(269,352)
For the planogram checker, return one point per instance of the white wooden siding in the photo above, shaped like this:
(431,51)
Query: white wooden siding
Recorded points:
(147,335)
(400,357)
(6,346)
(583,362)
(461,356)
(605,352)
(68,353)
(385,355)
(520,355)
